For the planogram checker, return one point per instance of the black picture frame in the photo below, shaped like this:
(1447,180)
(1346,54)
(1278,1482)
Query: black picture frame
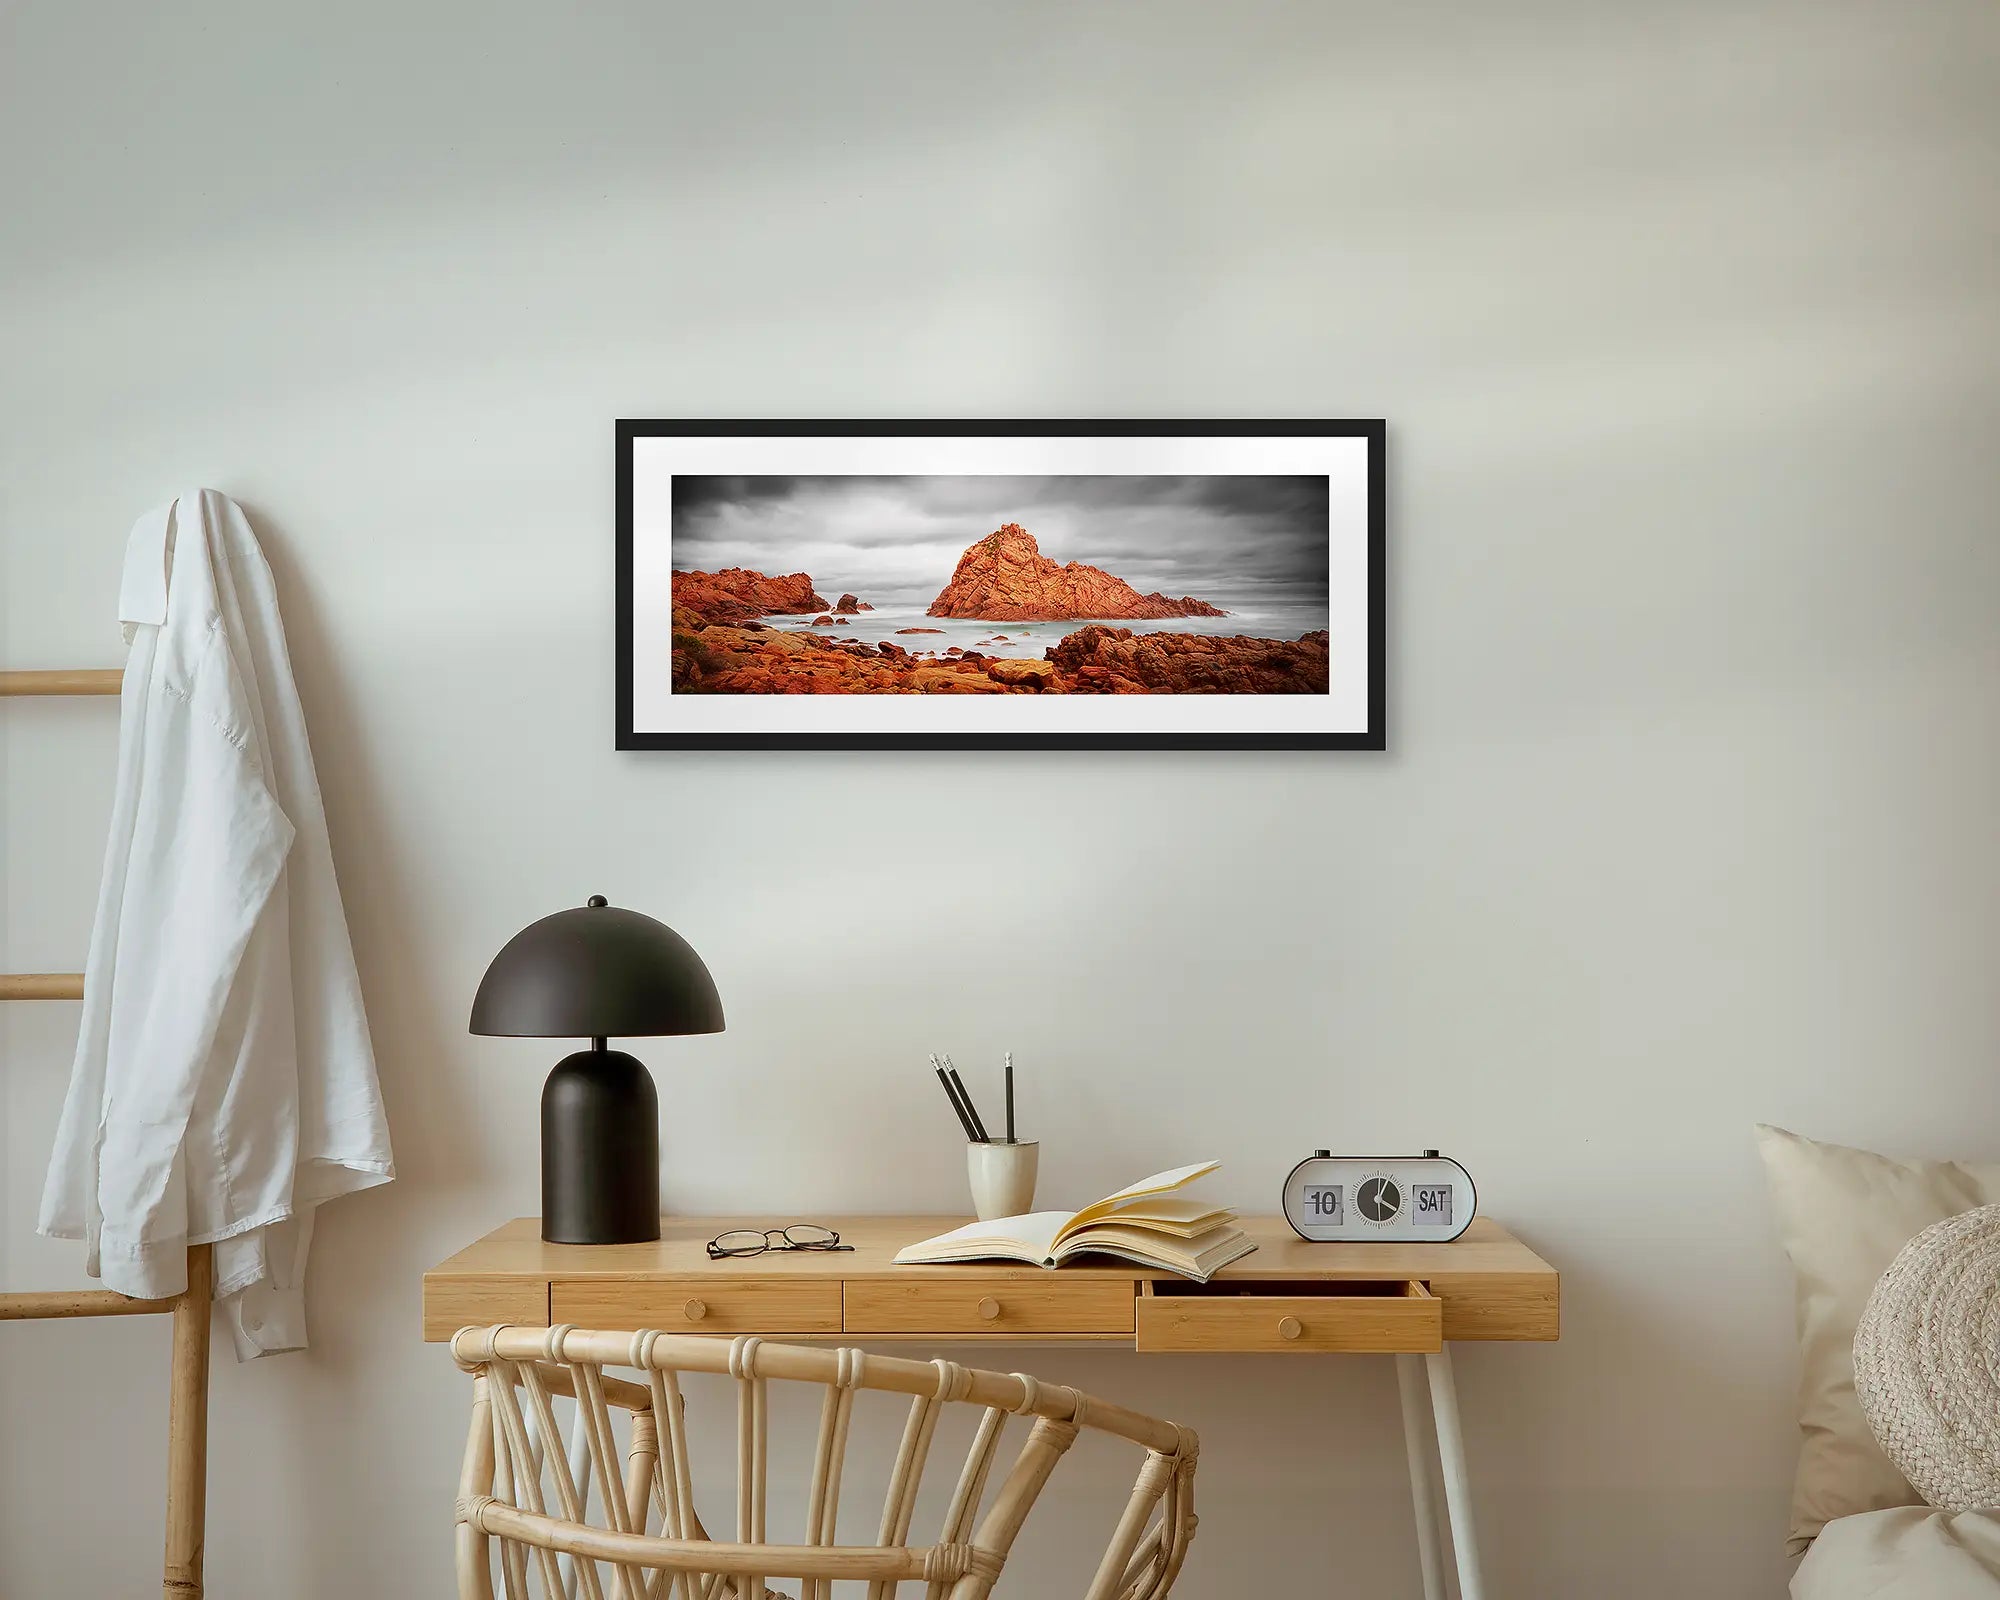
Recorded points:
(1371,738)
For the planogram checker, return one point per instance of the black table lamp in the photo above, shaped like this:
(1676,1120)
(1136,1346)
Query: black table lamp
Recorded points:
(596,972)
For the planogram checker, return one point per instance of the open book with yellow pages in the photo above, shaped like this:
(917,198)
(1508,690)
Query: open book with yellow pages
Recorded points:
(1147,1223)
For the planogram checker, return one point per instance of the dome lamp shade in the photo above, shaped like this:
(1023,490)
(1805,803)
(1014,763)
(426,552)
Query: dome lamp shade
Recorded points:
(598,971)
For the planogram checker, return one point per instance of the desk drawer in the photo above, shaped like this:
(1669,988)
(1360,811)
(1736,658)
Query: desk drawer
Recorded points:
(1048,1304)
(454,1303)
(1236,1316)
(700,1304)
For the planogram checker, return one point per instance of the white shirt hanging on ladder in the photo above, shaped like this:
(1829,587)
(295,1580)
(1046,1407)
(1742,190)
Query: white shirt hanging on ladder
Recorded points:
(224,1085)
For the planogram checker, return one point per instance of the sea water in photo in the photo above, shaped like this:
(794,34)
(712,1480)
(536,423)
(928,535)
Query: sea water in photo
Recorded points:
(1034,639)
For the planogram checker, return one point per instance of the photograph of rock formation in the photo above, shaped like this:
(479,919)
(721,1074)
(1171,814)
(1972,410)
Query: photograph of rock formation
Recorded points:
(1000,585)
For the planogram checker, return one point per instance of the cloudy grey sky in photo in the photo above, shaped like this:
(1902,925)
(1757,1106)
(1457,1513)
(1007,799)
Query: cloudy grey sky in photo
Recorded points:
(1236,541)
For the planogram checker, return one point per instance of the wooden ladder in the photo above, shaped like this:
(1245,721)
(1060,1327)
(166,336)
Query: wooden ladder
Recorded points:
(187,1402)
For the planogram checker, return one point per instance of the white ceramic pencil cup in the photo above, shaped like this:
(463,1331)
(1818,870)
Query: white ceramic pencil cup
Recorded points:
(1003,1177)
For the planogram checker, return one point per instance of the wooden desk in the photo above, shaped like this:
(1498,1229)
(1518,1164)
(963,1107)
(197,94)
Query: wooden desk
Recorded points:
(1406,1300)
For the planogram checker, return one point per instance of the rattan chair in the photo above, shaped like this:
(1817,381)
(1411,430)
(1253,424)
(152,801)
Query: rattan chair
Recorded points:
(521,1488)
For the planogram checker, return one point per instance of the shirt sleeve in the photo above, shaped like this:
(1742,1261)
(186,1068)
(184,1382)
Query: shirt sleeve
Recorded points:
(269,1317)
(209,843)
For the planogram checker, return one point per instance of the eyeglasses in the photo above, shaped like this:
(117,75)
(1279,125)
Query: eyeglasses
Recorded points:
(755,1241)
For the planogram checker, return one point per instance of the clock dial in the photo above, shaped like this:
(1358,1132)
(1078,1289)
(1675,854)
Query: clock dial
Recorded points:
(1378,1199)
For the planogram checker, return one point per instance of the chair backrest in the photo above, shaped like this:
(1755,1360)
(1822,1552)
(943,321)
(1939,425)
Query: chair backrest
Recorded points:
(522,1488)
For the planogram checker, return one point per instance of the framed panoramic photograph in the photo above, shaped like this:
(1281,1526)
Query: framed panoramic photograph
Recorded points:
(1088,585)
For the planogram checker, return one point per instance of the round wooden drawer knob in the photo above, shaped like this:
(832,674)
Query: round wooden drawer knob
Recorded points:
(695,1310)
(989,1309)
(1288,1328)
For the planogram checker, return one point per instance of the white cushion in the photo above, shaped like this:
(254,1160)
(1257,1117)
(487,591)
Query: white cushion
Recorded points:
(1927,1361)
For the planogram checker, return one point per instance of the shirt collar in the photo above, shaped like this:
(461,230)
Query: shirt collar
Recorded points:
(142,590)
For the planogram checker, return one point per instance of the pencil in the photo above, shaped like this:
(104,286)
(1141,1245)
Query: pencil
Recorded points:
(965,1098)
(958,1110)
(1010,1097)
(975,1130)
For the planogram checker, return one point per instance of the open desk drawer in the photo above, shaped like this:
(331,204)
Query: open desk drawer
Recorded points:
(1239,1314)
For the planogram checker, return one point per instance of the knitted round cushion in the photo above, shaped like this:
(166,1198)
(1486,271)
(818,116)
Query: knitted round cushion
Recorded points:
(1927,1361)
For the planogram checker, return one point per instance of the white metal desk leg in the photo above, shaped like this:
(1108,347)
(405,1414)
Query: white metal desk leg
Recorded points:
(1451,1460)
(1423,1496)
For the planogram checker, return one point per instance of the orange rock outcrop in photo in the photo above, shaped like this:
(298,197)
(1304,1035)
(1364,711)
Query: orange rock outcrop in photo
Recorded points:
(1119,661)
(736,594)
(1006,578)
(717,658)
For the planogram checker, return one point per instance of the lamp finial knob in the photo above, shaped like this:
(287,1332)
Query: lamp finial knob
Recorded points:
(597,900)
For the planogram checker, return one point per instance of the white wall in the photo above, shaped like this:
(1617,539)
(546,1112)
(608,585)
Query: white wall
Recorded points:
(1686,322)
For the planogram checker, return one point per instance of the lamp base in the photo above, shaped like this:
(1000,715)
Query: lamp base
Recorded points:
(600,1150)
